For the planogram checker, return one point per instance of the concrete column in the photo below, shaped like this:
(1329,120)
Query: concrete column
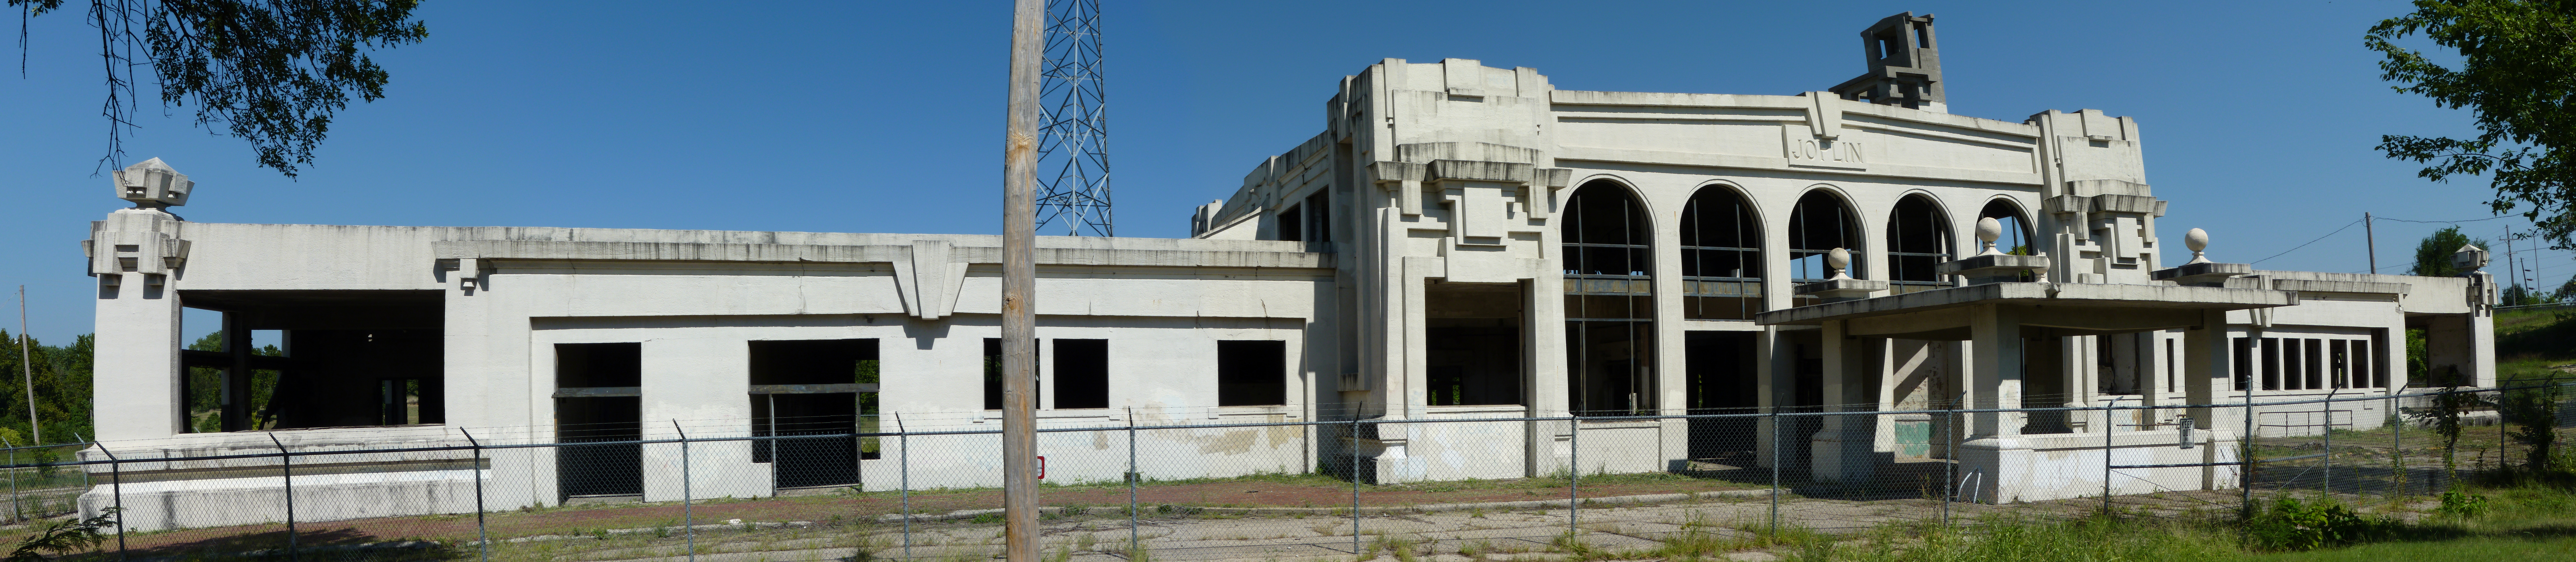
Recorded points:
(1996,380)
(136,373)
(1842,448)
(2204,366)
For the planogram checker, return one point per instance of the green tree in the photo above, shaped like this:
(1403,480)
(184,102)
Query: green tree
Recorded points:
(2433,255)
(2515,57)
(62,377)
(272,73)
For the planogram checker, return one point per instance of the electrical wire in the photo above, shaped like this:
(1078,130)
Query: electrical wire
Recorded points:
(2346,226)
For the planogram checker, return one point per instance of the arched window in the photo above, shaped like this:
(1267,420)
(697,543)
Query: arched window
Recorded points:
(2016,237)
(1721,257)
(1820,223)
(1608,249)
(1918,237)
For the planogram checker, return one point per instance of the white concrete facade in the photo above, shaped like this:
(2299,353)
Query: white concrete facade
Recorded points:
(1415,261)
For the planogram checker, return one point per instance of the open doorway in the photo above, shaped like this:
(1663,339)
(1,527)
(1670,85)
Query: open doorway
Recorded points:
(335,358)
(1472,344)
(1721,378)
(599,399)
(813,394)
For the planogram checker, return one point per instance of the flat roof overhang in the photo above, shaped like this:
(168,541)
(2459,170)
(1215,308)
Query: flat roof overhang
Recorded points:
(2043,309)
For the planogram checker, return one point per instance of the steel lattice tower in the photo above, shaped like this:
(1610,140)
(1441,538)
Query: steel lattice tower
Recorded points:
(1073,129)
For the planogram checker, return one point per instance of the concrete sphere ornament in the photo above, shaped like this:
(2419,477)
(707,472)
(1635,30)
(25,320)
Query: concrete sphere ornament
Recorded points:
(1837,260)
(2197,240)
(1988,230)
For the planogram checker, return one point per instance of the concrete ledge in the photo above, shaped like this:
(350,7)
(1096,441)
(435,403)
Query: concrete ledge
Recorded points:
(2086,294)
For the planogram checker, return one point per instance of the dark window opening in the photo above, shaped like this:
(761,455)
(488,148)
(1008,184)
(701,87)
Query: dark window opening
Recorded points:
(1319,227)
(2271,364)
(2315,362)
(1918,238)
(1251,373)
(2244,362)
(342,358)
(993,374)
(598,398)
(1817,225)
(1472,344)
(1721,257)
(1081,373)
(1609,301)
(1292,225)
(813,387)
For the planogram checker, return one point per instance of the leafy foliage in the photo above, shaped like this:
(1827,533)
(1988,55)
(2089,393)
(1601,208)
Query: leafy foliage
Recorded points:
(2534,412)
(2433,254)
(63,537)
(62,377)
(271,72)
(2517,74)
(2291,525)
(2458,504)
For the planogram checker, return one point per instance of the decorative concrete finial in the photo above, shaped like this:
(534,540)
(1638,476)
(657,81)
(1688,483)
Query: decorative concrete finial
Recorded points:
(1836,261)
(151,184)
(1988,230)
(2469,259)
(2197,240)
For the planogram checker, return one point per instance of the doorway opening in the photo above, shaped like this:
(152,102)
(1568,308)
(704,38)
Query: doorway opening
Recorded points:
(809,397)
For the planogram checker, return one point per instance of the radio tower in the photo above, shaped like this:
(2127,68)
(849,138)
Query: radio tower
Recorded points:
(1073,127)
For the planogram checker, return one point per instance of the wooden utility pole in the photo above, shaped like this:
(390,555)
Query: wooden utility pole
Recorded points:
(2370,240)
(1019,286)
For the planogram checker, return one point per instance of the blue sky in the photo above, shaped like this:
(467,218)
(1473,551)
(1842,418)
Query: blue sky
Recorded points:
(2258,117)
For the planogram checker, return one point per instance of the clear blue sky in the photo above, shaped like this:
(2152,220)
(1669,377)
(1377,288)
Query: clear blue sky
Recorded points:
(2258,117)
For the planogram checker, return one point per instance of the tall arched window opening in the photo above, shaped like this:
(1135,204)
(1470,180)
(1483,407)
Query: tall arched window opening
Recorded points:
(1721,257)
(1609,301)
(1918,238)
(2016,236)
(1820,223)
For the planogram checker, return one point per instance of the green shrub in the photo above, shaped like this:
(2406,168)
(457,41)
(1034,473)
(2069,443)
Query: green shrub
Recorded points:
(2462,505)
(2290,525)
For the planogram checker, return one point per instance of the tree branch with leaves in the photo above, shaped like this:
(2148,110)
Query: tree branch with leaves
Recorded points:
(270,72)
(2517,75)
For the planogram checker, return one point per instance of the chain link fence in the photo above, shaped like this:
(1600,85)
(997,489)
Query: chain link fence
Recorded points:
(1210,484)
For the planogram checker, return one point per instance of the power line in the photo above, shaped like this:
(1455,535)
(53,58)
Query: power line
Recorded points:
(2346,226)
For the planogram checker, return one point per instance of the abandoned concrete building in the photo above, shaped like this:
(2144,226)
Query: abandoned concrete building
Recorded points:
(1459,241)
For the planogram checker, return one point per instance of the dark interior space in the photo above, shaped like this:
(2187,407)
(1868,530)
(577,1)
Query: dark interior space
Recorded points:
(346,359)
(1722,378)
(1251,373)
(1918,238)
(993,375)
(1609,301)
(1081,374)
(1721,258)
(1820,223)
(597,399)
(1472,344)
(2044,385)
(813,387)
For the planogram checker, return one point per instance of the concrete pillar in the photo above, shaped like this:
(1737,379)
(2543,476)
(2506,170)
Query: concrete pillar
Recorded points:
(136,373)
(1842,449)
(2204,368)
(1996,379)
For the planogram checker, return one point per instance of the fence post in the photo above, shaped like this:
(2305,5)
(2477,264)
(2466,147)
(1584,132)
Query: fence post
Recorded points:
(2397,442)
(115,488)
(15,514)
(2244,452)
(1950,466)
(1777,457)
(286,468)
(1355,483)
(1133,544)
(903,471)
(2327,476)
(1573,474)
(2106,454)
(688,497)
(482,532)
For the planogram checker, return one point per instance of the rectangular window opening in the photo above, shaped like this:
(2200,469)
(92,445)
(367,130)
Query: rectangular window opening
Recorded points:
(806,388)
(598,399)
(1081,373)
(296,359)
(1251,373)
